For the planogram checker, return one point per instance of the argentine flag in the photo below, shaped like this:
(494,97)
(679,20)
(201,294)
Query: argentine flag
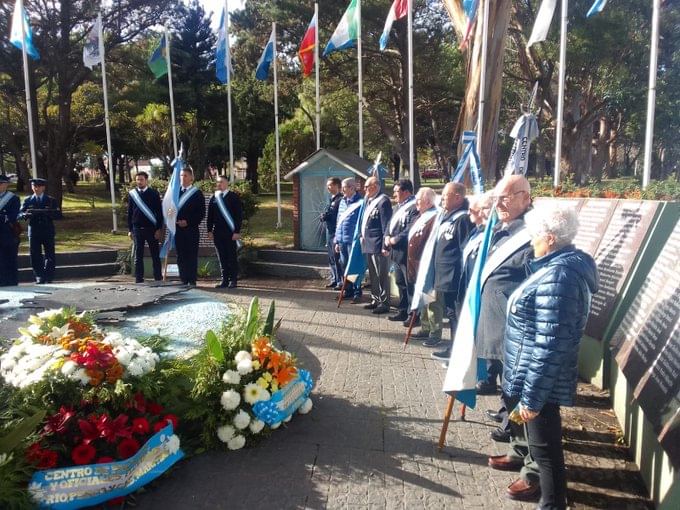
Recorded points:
(596,8)
(262,71)
(21,36)
(223,68)
(347,33)
(169,205)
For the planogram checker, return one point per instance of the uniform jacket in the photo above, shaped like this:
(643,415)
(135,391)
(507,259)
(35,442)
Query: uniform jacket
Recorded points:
(497,289)
(374,224)
(193,211)
(40,223)
(399,251)
(544,327)
(448,253)
(8,215)
(416,245)
(330,215)
(344,233)
(216,222)
(136,218)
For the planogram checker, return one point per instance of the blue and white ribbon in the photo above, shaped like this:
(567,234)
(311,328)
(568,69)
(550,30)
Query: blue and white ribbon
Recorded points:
(596,8)
(226,215)
(470,158)
(134,194)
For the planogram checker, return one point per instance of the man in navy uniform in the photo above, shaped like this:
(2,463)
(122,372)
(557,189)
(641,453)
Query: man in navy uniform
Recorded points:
(41,209)
(9,234)
(396,242)
(330,218)
(453,233)
(374,226)
(145,221)
(190,214)
(348,215)
(225,215)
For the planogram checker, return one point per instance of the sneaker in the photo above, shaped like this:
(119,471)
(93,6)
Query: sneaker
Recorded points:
(432,342)
(442,355)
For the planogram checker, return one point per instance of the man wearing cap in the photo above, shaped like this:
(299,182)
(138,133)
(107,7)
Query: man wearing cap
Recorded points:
(41,209)
(225,215)
(9,234)
(145,221)
(190,214)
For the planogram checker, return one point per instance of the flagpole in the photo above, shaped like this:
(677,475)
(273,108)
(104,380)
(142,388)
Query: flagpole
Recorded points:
(228,58)
(361,85)
(411,120)
(29,108)
(107,122)
(560,93)
(316,65)
(276,133)
(172,97)
(651,97)
(482,75)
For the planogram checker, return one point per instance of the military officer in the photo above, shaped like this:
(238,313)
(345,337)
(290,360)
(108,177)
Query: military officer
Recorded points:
(225,215)
(396,242)
(40,210)
(9,234)
(190,214)
(145,221)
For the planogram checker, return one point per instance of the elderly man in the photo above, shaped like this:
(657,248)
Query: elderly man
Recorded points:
(348,215)
(396,242)
(190,214)
(9,234)
(431,315)
(374,225)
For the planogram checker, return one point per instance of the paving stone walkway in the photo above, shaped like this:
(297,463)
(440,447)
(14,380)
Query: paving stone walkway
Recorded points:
(370,441)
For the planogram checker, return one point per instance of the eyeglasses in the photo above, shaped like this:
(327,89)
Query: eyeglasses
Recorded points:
(506,199)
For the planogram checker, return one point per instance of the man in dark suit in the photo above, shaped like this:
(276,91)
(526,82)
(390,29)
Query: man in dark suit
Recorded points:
(374,226)
(396,243)
(41,210)
(330,218)
(448,255)
(145,221)
(9,234)
(190,214)
(225,215)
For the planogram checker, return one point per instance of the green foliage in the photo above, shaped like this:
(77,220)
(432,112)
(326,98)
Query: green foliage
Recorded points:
(252,320)
(20,431)
(667,189)
(269,323)
(214,347)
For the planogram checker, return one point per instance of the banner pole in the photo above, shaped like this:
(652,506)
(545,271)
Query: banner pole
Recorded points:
(172,97)
(29,107)
(361,84)
(276,130)
(411,120)
(229,123)
(316,65)
(560,93)
(651,97)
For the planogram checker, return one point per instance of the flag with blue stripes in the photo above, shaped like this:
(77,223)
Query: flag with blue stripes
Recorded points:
(596,8)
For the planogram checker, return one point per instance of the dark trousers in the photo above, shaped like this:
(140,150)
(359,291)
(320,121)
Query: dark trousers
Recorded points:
(42,255)
(9,268)
(334,262)
(448,300)
(544,434)
(405,290)
(186,243)
(140,236)
(226,253)
(351,290)
(494,371)
(379,274)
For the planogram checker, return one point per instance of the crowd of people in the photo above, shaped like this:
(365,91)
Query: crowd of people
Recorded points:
(535,292)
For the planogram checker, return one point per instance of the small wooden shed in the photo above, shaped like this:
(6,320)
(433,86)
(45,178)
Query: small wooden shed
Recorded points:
(310,196)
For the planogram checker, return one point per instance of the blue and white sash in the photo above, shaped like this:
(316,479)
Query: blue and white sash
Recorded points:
(420,223)
(400,214)
(517,241)
(226,214)
(369,209)
(135,195)
(185,197)
(348,212)
(5,199)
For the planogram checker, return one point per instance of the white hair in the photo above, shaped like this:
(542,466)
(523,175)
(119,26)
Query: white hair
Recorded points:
(557,219)
(350,183)
(428,194)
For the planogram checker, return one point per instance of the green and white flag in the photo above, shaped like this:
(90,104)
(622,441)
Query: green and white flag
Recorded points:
(347,32)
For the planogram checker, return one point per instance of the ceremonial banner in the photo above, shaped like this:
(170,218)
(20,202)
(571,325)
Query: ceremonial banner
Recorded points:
(286,401)
(223,68)
(543,21)
(170,205)
(20,36)
(524,132)
(307,47)
(398,10)
(470,157)
(470,7)
(356,265)
(347,32)
(157,61)
(596,8)
(83,486)
(262,71)
(91,55)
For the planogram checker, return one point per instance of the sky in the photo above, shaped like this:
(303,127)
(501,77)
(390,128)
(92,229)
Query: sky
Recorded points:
(216,7)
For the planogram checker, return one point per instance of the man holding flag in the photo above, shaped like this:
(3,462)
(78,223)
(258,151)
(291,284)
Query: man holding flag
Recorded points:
(145,221)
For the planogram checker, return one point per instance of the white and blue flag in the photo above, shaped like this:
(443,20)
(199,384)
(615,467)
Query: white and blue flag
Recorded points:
(596,8)
(262,71)
(347,31)
(223,68)
(22,36)
(170,204)
(470,157)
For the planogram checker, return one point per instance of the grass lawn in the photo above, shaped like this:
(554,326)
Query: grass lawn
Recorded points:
(262,231)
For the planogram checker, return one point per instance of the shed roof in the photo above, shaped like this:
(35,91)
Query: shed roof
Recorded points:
(350,161)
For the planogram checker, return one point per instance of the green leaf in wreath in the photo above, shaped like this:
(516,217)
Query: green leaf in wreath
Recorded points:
(269,324)
(25,428)
(214,346)
(252,319)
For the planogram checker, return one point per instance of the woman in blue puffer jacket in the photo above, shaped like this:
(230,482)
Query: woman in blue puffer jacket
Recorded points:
(546,318)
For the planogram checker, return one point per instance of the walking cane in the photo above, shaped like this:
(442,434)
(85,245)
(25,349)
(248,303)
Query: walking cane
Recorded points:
(447,419)
(410,329)
(342,292)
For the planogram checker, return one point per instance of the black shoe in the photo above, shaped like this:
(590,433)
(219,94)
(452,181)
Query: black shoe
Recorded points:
(41,281)
(484,388)
(371,306)
(401,316)
(231,285)
(432,342)
(381,309)
(407,322)
(330,286)
(420,334)
(500,435)
(442,355)
(221,285)
(139,281)
(493,415)
(356,300)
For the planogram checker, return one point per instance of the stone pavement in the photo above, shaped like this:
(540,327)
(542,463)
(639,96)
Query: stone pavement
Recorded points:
(370,441)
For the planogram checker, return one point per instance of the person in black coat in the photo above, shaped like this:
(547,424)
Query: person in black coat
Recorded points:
(225,215)
(145,221)
(190,214)
(41,209)
(396,243)
(9,235)
(374,224)
(330,218)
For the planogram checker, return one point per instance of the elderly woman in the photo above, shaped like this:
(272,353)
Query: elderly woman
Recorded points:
(545,322)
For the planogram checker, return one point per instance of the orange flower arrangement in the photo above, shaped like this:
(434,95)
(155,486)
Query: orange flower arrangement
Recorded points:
(280,364)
